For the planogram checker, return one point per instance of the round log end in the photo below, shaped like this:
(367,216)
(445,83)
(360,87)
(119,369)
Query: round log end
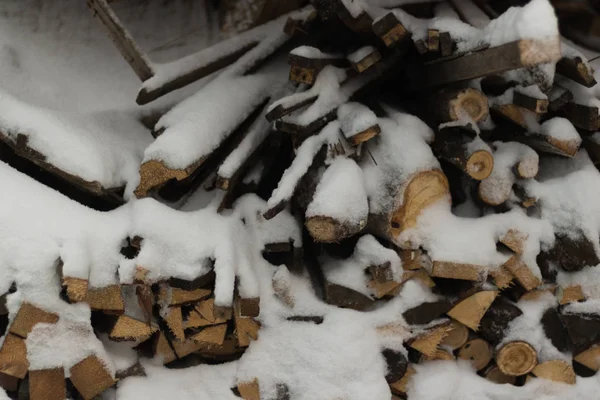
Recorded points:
(555,370)
(480,164)
(516,358)
(329,230)
(494,192)
(494,374)
(469,102)
(457,336)
(528,168)
(478,352)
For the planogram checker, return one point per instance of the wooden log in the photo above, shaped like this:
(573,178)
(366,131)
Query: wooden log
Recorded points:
(135,370)
(425,313)
(249,390)
(582,116)
(390,30)
(130,329)
(130,51)
(494,60)
(440,355)
(577,70)
(344,297)
(414,260)
(494,374)
(384,289)
(207,309)
(177,297)
(538,106)
(397,365)
(9,383)
(522,273)
(428,343)
(364,59)
(554,329)
(26,318)
(446,44)
(496,320)
(281,110)
(47,384)
(154,174)
(246,328)
(570,294)
(456,337)
(555,370)
(305,69)
(458,104)
(91,377)
(13,357)
(470,310)
(573,254)
(514,240)
(516,358)
(400,387)
(589,358)
(107,299)
(212,335)
(583,330)
(173,319)
(75,288)
(452,270)
(478,352)
(325,229)
(476,162)
(559,97)
(502,277)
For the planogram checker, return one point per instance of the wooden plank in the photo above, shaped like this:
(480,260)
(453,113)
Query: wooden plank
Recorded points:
(122,38)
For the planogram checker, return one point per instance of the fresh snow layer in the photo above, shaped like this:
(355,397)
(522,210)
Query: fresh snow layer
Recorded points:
(355,118)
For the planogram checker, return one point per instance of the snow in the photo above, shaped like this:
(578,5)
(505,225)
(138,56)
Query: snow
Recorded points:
(532,91)
(341,194)
(370,252)
(361,53)
(311,52)
(560,129)
(355,118)
(472,13)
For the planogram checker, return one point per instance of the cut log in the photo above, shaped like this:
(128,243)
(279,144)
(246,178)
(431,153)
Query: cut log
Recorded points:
(446,44)
(154,174)
(364,58)
(433,40)
(516,358)
(390,30)
(456,337)
(130,51)
(441,355)
(429,342)
(360,23)
(570,294)
(514,240)
(458,104)
(76,288)
(452,270)
(573,254)
(459,150)
(496,320)
(248,307)
(107,299)
(538,106)
(494,374)
(47,384)
(26,318)
(577,70)
(174,321)
(470,310)
(396,365)
(384,289)
(555,370)
(583,330)
(426,312)
(246,328)
(13,357)
(589,358)
(478,352)
(91,377)
(494,60)
(306,63)
(206,308)
(559,97)
(249,390)
(212,335)
(414,260)
(9,383)
(177,297)
(555,330)
(502,277)
(344,297)
(130,329)
(401,387)
(522,273)
(582,116)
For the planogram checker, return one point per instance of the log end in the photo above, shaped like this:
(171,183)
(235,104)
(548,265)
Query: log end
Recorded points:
(471,102)
(480,164)
(516,358)
(478,352)
(329,230)
(555,370)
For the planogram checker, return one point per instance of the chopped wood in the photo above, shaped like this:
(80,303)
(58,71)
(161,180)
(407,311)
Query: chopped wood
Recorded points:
(494,60)
(361,23)
(214,335)
(572,254)
(177,297)
(306,69)
(108,299)
(249,307)
(440,354)
(452,270)
(428,343)
(458,104)
(538,106)
(130,329)
(522,273)
(420,275)
(502,277)
(396,365)
(281,111)
(583,330)
(475,162)
(47,384)
(246,328)
(457,336)
(570,294)
(494,374)
(496,320)
(364,136)
(582,116)
(478,352)
(174,321)
(384,289)
(13,357)
(91,377)
(577,70)
(326,229)
(446,44)
(76,288)
(9,383)
(382,273)
(390,30)
(366,62)
(427,312)
(249,390)
(516,358)
(555,370)
(344,297)
(433,40)
(401,387)
(414,260)
(589,358)
(26,318)
(554,329)
(559,97)
(154,174)
(470,310)
(206,308)
(162,349)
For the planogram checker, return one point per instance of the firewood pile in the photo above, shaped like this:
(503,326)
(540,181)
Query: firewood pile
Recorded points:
(438,155)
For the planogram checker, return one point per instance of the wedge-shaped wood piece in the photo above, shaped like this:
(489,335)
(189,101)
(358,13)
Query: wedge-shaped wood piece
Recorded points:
(570,294)
(130,329)
(91,377)
(390,30)
(477,351)
(76,288)
(29,315)
(496,321)
(47,384)
(206,308)
(457,336)
(213,335)
(470,310)
(384,289)
(555,370)
(494,374)
(494,60)
(396,364)
(577,70)
(249,307)
(249,390)
(429,342)
(344,297)
(589,358)
(162,349)
(246,328)
(516,358)
(502,277)
(452,270)
(401,387)
(522,273)
(177,297)
(154,174)
(538,106)
(108,299)
(440,355)
(514,240)
(582,116)
(174,320)
(13,357)
(364,59)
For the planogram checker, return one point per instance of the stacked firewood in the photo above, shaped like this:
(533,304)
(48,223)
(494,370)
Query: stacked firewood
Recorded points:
(383,129)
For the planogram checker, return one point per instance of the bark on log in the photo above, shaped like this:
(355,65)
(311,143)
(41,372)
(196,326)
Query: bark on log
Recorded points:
(477,163)
(495,322)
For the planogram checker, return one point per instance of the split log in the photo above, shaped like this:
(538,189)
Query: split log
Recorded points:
(414,260)
(428,343)
(472,156)
(514,240)
(583,330)
(400,387)
(589,358)
(577,70)
(478,352)
(26,318)
(458,104)
(360,23)
(176,297)
(358,123)
(249,390)
(570,294)
(440,355)
(582,116)
(107,299)
(9,383)
(433,40)
(173,319)
(364,58)
(516,358)
(502,277)
(130,329)
(47,384)
(522,273)
(470,310)
(452,270)
(494,60)
(13,357)
(306,62)
(75,288)
(426,312)
(456,337)
(390,30)
(397,365)
(572,254)
(495,321)
(559,97)
(246,328)
(555,370)
(494,374)
(446,44)
(344,297)
(211,335)
(536,105)
(554,329)
(91,377)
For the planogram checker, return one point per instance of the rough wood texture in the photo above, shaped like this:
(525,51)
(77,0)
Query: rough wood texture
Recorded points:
(589,358)
(122,39)
(400,387)
(325,229)
(577,70)
(457,336)
(554,329)
(426,312)
(76,288)
(538,106)
(47,384)
(396,365)
(570,294)
(29,315)
(177,297)
(174,320)
(497,318)
(366,62)
(428,342)
(346,298)
(130,329)
(364,136)
(470,310)
(13,357)
(514,240)
(213,335)
(9,383)
(494,374)
(249,390)
(91,377)
(154,174)
(522,273)
(555,370)
(108,299)
(478,352)
(478,164)
(390,30)
(452,270)
(516,358)
(457,104)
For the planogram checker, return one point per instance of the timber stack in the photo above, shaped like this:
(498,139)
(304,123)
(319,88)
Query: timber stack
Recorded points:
(421,150)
